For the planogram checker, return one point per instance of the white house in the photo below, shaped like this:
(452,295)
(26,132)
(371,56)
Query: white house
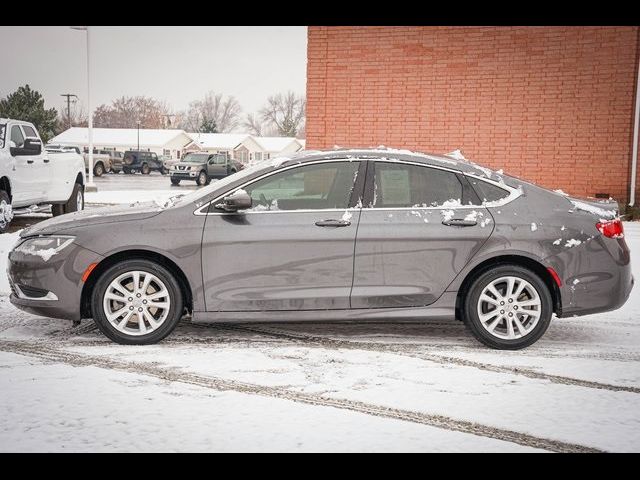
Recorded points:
(244,147)
(163,142)
(215,142)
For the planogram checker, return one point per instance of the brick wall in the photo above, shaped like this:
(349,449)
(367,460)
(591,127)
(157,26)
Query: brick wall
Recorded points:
(553,105)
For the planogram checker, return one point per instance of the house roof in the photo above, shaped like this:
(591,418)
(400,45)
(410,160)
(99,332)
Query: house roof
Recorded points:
(223,141)
(274,144)
(117,136)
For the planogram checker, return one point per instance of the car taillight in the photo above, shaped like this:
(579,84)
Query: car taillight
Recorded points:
(611,228)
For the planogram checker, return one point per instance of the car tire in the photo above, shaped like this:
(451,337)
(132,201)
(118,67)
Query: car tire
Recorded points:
(508,320)
(202,179)
(164,171)
(98,169)
(145,170)
(131,333)
(75,202)
(6,211)
(175,181)
(126,170)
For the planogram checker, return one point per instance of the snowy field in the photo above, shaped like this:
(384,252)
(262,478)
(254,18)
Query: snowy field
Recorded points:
(319,387)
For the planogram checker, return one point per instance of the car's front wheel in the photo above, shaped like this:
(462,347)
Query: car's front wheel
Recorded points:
(98,169)
(508,307)
(6,211)
(203,178)
(137,302)
(175,181)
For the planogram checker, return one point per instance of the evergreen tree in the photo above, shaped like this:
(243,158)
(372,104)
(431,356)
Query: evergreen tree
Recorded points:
(28,105)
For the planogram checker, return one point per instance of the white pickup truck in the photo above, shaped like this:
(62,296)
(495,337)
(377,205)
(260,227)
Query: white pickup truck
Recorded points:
(31,176)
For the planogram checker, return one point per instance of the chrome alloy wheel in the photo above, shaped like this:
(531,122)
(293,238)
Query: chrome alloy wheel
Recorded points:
(509,308)
(136,303)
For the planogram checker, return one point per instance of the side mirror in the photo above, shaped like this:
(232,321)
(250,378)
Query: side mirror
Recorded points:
(31,146)
(238,200)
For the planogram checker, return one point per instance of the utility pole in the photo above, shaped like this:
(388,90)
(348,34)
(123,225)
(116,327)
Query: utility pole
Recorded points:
(69,95)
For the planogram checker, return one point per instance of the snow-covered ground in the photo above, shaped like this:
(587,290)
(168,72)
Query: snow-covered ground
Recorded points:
(329,387)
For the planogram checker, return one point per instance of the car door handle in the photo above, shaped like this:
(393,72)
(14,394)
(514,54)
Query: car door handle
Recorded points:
(29,161)
(46,160)
(459,222)
(333,223)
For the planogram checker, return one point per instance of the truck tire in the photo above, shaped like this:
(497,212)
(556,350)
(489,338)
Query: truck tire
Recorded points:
(126,170)
(175,181)
(98,169)
(145,170)
(202,178)
(6,212)
(74,204)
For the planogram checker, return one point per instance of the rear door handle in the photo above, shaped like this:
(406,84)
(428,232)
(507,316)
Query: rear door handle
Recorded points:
(333,223)
(459,222)
(29,161)
(46,160)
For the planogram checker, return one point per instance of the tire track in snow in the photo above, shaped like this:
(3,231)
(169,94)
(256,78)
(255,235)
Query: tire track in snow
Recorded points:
(441,359)
(45,352)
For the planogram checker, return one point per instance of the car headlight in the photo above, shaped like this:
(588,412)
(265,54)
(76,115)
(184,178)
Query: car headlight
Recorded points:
(45,246)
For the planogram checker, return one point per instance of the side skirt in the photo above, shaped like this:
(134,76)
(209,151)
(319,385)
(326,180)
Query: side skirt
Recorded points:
(442,309)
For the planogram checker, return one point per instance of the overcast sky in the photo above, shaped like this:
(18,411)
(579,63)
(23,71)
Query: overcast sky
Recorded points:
(175,64)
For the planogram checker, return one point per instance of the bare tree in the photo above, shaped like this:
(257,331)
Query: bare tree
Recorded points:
(76,117)
(214,113)
(125,112)
(285,112)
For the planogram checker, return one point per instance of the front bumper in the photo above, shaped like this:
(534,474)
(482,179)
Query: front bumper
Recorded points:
(183,175)
(59,278)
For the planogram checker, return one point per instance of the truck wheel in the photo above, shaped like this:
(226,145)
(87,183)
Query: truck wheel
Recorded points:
(126,170)
(98,169)
(175,181)
(6,212)
(74,204)
(145,169)
(203,178)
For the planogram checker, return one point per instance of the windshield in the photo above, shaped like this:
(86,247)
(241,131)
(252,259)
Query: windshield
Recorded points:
(195,157)
(3,128)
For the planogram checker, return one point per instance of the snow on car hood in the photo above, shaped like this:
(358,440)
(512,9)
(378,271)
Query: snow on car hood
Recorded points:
(137,211)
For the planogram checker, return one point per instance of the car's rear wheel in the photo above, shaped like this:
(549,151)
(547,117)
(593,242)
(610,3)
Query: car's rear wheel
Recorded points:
(98,169)
(137,302)
(508,307)
(74,204)
(203,178)
(126,170)
(145,169)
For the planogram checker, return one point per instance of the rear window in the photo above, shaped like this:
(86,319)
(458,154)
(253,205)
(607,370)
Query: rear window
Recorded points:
(487,191)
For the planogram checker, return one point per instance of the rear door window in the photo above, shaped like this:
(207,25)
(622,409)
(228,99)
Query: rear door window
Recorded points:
(487,191)
(400,185)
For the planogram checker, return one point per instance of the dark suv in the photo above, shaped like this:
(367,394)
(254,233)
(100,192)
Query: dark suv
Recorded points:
(201,167)
(139,161)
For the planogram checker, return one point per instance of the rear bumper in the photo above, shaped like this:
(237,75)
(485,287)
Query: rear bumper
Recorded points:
(60,276)
(596,276)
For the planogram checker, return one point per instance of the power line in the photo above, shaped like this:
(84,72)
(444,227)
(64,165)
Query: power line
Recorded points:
(69,95)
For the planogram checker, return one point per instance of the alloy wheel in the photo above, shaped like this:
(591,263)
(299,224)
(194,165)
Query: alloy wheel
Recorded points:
(136,303)
(509,307)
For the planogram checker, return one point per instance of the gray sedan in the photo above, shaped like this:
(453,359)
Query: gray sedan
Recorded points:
(343,235)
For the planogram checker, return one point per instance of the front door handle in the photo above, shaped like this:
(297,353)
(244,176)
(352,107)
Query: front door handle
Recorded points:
(29,162)
(333,223)
(46,160)
(459,222)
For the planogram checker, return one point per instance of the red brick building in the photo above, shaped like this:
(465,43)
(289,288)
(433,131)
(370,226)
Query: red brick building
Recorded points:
(553,105)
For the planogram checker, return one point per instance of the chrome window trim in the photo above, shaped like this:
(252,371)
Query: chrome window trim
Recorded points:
(199,211)
(513,192)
